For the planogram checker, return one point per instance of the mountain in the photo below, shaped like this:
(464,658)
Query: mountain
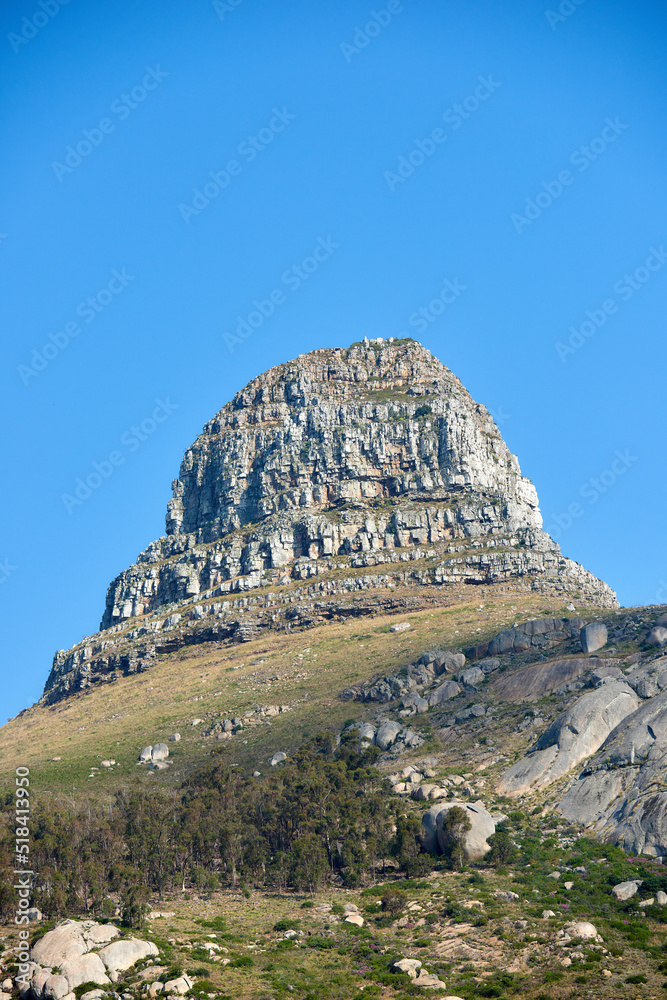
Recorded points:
(368,470)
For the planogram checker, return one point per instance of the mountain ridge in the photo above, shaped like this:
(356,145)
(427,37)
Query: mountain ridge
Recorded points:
(322,476)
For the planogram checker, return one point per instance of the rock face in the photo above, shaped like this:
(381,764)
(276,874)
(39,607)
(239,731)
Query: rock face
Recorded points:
(371,456)
(621,792)
(73,949)
(572,737)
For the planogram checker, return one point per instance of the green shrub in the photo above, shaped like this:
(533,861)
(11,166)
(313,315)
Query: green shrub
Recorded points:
(242,962)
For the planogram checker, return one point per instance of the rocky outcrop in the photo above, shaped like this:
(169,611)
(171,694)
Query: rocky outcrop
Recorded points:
(621,794)
(574,736)
(77,952)
(365,458)
(539,679)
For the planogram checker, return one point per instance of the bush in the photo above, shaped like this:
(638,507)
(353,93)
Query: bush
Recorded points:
(394,901)
(242,962)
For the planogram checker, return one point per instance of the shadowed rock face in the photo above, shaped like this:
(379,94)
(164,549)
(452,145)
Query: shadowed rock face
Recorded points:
(343,459)
(621,794)
(572,737)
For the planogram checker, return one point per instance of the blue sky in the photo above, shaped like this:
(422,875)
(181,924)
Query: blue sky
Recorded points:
(169,164)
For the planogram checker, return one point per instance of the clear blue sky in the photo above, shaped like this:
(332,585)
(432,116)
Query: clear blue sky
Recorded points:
(532,153)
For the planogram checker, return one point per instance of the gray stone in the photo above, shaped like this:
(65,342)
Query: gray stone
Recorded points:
(64,943)
(593,637)
(471,676)
(626,890)
(87,969)
(620,794)
(174,738)
(661,898)
(278,758)
(657,636)
(179,986)
(160,751)
(55,988)
(444,692)
(366,731)
(387,734)
(411,966)
(482,827)
(574,736)
(146,753)
(121,955)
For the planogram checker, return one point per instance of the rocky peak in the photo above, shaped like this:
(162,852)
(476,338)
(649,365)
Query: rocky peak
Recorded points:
(361,469)
(377,420)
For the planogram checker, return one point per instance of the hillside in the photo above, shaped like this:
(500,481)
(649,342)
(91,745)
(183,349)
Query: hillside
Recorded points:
(354,708)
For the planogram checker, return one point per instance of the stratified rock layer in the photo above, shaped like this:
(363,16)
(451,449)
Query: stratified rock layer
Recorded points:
(339,467)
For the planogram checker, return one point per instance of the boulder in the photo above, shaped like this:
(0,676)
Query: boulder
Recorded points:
(121,955)
(180,986)
(657,636)
(626,890)
(593,636)
(55,988)
(582,929)
(366,732)
(278,758)
(661,898)
(100,934)
(387,734)
(471,676)
(175,738)
(87,969)
(146,754)
(444,692)
(410,966)
(448,662)
(429,981)
(482,827)
(354,918)
(400,627)
(574,736)
(160,751)
(64,943)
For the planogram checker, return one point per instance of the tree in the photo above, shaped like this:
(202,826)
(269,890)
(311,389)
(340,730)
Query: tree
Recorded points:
(455,825)
(503,851)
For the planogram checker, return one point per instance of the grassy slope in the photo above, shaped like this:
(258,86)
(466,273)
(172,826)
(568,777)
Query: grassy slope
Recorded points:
(116,720)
